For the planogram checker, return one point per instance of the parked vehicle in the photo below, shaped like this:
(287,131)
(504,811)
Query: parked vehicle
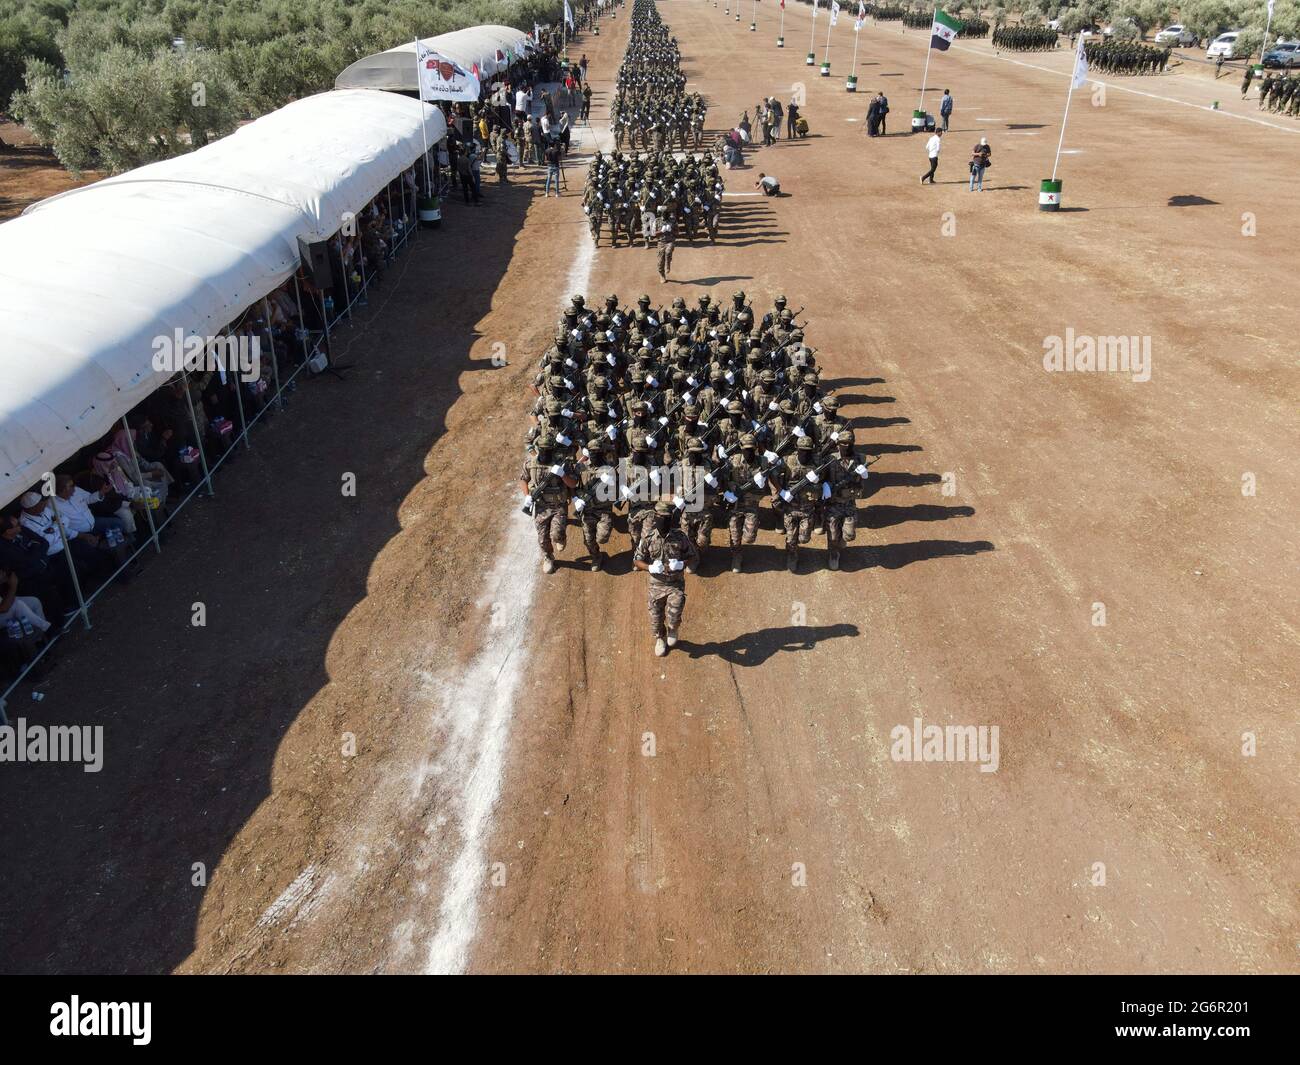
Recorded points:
(1177,35)
(1223,45)
(1284,54)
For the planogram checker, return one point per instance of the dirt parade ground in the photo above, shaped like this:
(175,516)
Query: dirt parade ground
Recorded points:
(398,746)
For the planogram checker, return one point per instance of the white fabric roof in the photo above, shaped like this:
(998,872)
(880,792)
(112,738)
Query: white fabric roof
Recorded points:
(90,277)
(394,69)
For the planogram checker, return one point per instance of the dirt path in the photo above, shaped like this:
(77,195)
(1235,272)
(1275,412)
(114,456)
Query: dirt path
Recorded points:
(503,811)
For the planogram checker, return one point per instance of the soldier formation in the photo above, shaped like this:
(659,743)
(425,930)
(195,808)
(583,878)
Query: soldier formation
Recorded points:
(651,107)
(681,420)
(1025,38)
(1280,93)
(653,195)
(1125,57)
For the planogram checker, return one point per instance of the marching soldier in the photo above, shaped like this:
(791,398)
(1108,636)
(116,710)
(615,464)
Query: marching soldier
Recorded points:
(667,554)
(597,496)
(546,482)
(798,487)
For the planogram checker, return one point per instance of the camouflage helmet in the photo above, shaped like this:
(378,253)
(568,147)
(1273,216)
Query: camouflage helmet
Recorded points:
(579,301)
(690,412)
(768,377)
(645,298)
(735,407)
(546,442)
(705,300)
(748,440)
(612,298)
(738,296)
(597,444)
(781,301)
(804,443)
(787,315)
(663,508)
(785,407)
(554,406)
(830,403)
(695,444)
(844,436)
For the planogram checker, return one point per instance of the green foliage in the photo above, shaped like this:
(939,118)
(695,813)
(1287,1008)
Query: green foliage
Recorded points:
(103,84)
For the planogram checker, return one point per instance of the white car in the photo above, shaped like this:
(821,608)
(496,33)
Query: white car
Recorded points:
(1223,45)
(1176,35)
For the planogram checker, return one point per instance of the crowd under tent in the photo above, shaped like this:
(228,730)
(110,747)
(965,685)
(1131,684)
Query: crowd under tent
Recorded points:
(89,278)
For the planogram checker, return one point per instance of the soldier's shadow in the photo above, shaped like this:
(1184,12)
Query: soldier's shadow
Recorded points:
(755,648)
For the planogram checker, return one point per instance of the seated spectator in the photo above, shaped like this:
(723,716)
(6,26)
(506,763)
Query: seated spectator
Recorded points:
(152,475)
(19,607)
(24,553)
(79,520)
(38,518)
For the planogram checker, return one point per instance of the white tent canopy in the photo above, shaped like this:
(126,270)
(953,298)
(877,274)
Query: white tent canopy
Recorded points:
(90,277)
(394,69)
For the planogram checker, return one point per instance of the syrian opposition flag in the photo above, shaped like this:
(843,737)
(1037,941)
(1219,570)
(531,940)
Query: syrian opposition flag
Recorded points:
(568,14)
(944,30)
(1080,67)
(862,17)
(835,12)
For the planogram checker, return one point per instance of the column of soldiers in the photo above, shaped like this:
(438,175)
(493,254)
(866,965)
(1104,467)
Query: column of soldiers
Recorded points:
(651,107)
(645,195)
(683,419)
(1025,38)
(1280,93)
(1125,57)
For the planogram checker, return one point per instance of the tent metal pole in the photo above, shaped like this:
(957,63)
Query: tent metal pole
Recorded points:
(139,476)
(72,566)
(239,402)
(198,437)
(275,363)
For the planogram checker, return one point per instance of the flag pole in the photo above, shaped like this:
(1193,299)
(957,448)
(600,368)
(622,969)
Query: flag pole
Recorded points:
(826,58)
(424,129)
(857,32)
(812,38)
(1064,117)
(1267,24)
(925,77)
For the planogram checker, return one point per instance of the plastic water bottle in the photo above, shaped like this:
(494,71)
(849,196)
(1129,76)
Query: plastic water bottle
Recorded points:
(14,629)
(27,627)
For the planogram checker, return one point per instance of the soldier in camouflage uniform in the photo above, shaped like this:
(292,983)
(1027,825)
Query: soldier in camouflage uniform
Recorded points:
(847,476)
(743,494)
(597,497)
(667,554)
(696,495)
(546,483)
(800,493)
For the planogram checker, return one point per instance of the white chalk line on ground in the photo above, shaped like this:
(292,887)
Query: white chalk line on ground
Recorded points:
(478,704)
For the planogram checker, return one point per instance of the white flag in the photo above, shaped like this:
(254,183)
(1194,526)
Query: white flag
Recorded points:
(1080,67)
(835,12)
(862,17)
(438,78)
(1270,8)
(568,14)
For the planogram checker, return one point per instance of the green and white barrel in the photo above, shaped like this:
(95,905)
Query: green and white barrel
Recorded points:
(1049,195)
(753,27)
(737,16)
(826,69)
(918,121)
(780,42)
(852,84)
(810,60)
(429,211)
